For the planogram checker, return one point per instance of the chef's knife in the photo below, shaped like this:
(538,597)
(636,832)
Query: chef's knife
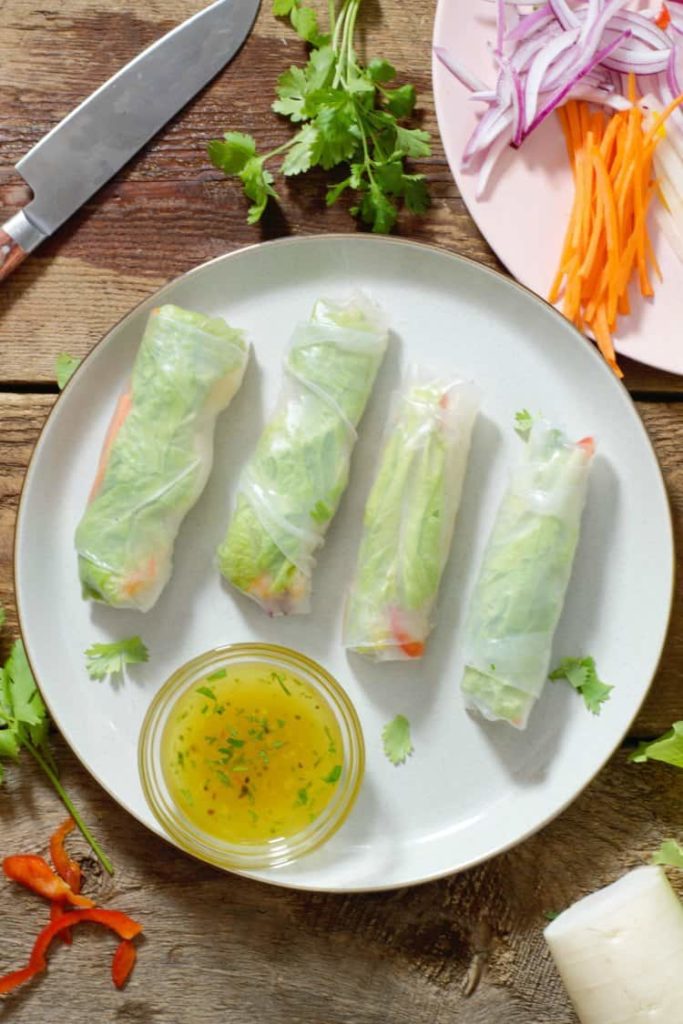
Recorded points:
(97,138)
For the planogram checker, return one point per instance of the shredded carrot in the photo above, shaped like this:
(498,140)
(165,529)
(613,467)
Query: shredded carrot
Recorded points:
(607,244)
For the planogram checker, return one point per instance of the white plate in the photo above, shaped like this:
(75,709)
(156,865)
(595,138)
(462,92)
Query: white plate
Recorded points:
(524,213)
(471,789)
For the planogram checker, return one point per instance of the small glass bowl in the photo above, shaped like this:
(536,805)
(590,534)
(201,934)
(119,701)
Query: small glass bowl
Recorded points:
(276,852)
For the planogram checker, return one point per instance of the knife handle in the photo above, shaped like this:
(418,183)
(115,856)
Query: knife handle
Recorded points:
(11,254)
(18,237)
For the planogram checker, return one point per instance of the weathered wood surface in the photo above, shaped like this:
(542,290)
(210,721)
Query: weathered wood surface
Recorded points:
(220,948)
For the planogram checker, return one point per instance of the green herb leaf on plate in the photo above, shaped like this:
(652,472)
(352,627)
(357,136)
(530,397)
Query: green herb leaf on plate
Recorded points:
(396,740)
(582,674)
(103,660)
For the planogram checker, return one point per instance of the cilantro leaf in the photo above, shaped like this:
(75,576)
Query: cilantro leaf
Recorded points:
(65,367)
(232,154)
(396,739)
(3,615)
(669,853)
(582,675)
(103,660)
(412,141)
(24,699)
(377,209)
(302,154)
(401,101)
(281,8)
(305,22)
(668,748)
(380,70)
(415,193)
(258,186)
(334,191)
(524,421)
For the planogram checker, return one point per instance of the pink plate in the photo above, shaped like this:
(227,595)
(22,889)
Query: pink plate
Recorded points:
(524,211)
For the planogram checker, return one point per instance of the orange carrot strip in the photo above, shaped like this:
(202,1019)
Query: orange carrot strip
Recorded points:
(123,407)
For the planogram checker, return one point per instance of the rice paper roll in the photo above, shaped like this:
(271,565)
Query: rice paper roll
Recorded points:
(520,592)
(157,455)
(293,483)
(410,516)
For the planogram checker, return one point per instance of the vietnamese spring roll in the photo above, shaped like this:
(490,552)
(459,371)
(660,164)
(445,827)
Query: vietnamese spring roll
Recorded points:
(523,580)
(294,481)
(157,455)
(619,951)
(410,516)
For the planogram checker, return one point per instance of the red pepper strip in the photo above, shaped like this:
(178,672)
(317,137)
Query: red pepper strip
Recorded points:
(663,19)
(56,911)
(123,962)
(68,869)
(17,978)
(36,874)
(412,648)
(124,926)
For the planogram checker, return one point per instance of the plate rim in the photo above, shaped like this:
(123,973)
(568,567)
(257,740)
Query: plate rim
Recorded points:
(503,280)
(438,78)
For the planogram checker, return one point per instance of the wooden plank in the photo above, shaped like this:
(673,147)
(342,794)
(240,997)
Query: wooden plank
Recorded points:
(222,947)
(169,209)
(21,417)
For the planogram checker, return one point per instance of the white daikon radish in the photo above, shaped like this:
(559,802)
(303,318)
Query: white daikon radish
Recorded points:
(620,951)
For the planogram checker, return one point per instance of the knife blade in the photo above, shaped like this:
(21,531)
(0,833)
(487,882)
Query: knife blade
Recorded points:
(96,139)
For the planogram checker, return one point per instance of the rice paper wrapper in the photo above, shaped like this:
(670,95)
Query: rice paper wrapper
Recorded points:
(410,516)
(291,487)
(520,592)
(157,455)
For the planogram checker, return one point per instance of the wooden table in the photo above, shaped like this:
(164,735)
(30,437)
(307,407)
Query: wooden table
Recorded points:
(219,948)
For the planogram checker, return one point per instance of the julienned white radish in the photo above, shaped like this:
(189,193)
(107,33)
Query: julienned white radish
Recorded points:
(620,951)
(668,165)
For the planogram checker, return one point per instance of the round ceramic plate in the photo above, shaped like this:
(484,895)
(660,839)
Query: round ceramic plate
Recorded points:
(470,789)
(524,212)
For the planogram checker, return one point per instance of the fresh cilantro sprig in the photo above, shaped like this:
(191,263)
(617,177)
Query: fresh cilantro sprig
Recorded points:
(65,367)
(396,740)
(667,748)
(103,660)
(24,725)
(582,674)
(346,114)
(670,853)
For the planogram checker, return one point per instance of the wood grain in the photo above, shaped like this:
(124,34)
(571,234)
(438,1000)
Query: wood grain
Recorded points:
(169,209)
(219,947)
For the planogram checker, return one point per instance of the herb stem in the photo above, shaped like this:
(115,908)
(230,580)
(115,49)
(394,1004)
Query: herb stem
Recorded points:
(66,800)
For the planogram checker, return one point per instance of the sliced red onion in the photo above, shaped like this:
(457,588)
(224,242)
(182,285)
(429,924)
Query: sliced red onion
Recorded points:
(539,69)
(564,92)
(458,70)
(564,14)
(495,152)
(671,75)
(535,22)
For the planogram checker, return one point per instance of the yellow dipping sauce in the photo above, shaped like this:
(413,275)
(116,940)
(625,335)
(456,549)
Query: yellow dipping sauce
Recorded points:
(251,754)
